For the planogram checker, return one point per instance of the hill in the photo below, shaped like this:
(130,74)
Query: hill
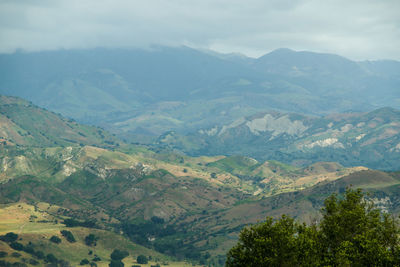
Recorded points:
(36,224)
(369,139)
(24,124)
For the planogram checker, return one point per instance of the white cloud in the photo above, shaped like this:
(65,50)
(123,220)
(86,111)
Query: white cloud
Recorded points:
(358,29)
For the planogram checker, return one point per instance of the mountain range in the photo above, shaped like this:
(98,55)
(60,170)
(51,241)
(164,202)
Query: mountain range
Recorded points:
(142,93)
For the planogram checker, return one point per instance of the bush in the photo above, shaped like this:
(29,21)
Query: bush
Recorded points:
(16,255)
(33,262)
(84,262)
(3,254)
(114,263)
(119,254)
(9,237)
(96,258)
(91,239)
(39,254)
(17,246)
(142,259)
(51,258)
(76,223)
(55,239)
(68,235)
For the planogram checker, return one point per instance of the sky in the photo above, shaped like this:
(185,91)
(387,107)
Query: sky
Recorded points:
(357,29)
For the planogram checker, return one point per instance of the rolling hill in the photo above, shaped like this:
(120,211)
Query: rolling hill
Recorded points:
(369,139)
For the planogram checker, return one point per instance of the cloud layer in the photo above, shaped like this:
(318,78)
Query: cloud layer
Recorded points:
(358,29)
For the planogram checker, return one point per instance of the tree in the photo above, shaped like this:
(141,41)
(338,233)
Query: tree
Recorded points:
(68,235)
(142,259)
(119,254)
(9,237)
(114,263)
(84,262)
(55,239)
(354,231)
(91,239)
(351,233)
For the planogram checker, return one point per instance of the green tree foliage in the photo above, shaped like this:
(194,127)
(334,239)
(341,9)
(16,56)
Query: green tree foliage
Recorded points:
(55,239)
(9,237)
(119,254)
(84,262)
(142,259)
(351,233)
(68,235)
(91,239)
(114,263)
(17,246)
(76,223)
(51,258)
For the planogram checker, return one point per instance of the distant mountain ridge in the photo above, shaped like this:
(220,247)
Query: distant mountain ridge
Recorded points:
(144,93)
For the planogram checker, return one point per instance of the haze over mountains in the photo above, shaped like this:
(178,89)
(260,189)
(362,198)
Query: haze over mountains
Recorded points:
(151,91)
(216,103)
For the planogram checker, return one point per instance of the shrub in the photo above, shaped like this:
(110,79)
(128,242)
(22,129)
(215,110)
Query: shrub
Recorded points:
(84,262)
(96,258)
(16,255)
(51,258)
(68,235)
(91,239)
(33,262)
(119,254)
(114,263)
(142,259)
(39,254)
(9,237)
(55,239)
(17,246)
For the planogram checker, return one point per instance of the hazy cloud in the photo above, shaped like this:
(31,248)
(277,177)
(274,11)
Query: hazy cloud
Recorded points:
(359,29)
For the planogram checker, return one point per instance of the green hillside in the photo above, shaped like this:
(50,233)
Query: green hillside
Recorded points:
(24,124)
(36,224)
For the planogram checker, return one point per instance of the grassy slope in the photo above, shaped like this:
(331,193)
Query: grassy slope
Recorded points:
(35,225)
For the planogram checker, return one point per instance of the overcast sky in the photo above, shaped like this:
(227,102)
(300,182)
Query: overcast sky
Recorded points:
(357,29)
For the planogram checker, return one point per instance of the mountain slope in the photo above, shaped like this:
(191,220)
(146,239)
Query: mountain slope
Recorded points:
(369,139)
(22,123)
